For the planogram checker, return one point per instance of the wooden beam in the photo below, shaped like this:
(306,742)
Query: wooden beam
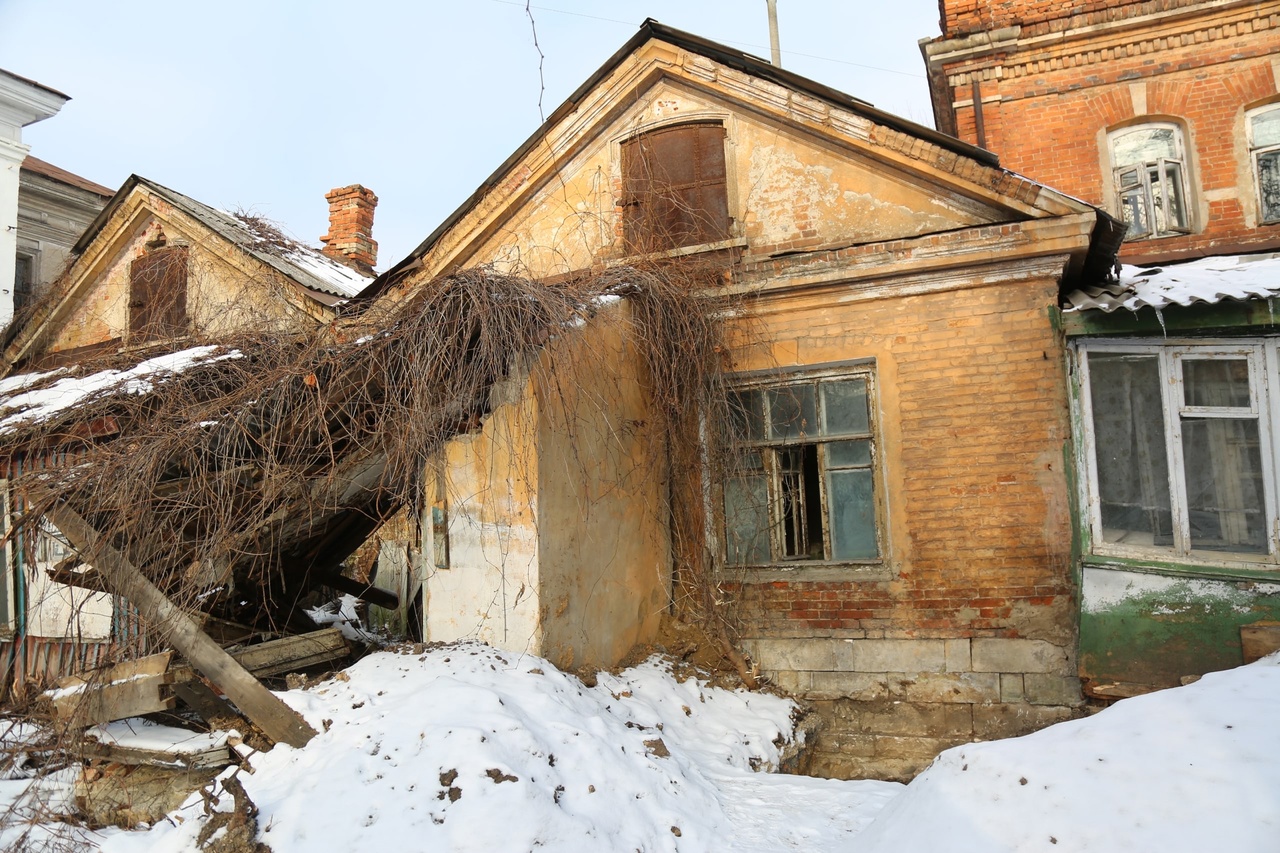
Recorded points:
(276,719)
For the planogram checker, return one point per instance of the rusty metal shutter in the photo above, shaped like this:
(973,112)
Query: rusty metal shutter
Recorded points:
(158,294)
(674,188)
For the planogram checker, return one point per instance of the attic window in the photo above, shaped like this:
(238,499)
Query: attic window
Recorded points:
(158,294)
(674,188)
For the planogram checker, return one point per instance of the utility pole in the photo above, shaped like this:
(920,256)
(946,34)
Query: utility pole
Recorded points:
(773,33)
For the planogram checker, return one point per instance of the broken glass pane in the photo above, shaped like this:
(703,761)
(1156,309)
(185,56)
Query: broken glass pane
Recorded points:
(853,514)
(1269,183)
(1135,211)
(1129,442)
(1224,485)
(746,520)
(844,407)
(1175,210)
(1143,145)
(793,412)
(1217,382)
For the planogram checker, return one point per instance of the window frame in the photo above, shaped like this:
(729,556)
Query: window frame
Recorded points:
(1145,186)
(779,564)
(158,295)
(1263,358)
(1255,153)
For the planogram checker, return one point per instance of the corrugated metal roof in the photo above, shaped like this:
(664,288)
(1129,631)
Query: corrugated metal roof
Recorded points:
(1205,281)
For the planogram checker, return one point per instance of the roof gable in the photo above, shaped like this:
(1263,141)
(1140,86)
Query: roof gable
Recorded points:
(243,273)
(929,175)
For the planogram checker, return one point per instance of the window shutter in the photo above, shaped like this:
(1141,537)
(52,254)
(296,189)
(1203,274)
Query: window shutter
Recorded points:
(158,294)
(674,188)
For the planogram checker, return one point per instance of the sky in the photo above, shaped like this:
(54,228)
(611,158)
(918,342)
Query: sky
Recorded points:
(264,105)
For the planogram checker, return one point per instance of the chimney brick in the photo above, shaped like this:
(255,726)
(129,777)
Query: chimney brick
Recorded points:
(350,238)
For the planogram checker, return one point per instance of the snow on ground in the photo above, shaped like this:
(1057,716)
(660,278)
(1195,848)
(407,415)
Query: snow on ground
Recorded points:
(464,748)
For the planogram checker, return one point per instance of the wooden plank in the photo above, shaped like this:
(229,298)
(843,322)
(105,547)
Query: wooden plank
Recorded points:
(288,654)
(205,702)
(209,758)
(127,689)
(276,719)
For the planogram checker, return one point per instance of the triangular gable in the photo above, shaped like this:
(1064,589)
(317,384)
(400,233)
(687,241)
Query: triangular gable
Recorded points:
(809,167)
(254,274)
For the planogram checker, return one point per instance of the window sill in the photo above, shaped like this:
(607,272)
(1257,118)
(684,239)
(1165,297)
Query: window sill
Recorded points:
(806,573)
(697,249)
(1222,571)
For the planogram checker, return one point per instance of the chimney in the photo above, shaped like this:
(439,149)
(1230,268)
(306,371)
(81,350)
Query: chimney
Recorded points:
(350,238)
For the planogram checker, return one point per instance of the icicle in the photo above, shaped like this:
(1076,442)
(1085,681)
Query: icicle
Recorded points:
(1160,316)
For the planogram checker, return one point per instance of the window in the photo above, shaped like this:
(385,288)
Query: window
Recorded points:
(1180,458)
(804,489)
(1150,180)
(674,188)
(158,294)
(1264,150)
(23,282)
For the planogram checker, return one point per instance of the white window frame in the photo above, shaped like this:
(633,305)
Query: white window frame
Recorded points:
(777,562)
(1263,357)
(1147,188)
(1255,152)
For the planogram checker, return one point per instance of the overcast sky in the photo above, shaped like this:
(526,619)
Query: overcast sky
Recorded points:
(266,104)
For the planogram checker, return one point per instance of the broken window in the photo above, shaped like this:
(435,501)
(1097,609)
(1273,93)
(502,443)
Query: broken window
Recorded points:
(158,294)
(1179,455)
(803,488)
(1150,181)
(674,188)
(1264,150)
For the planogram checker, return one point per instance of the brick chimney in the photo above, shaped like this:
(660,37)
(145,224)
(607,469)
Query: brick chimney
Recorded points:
(350,238)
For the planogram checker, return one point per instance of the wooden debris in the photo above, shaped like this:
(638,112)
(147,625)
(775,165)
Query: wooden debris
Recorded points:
(127,689)
(276,719)
(213,757)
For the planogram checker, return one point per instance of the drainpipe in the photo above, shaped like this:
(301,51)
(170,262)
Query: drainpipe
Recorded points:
(773,33)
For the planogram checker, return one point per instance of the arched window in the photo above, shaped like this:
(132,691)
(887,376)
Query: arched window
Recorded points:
(1150,181)
(1264,150)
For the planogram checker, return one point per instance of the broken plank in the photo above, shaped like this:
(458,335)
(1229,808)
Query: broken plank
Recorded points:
(213,757)
(288,654)
(127,689)
(276,719)
(205,702)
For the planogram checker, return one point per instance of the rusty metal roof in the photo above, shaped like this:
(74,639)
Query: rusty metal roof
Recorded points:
(40,167)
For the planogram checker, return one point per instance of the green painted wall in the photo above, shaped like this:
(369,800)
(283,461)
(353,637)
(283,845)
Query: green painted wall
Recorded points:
(1153,629)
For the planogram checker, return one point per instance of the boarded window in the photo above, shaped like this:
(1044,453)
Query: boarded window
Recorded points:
(804,486)
(674,188)
(158,294)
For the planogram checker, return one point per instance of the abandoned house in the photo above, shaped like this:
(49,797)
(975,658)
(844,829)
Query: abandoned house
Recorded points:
(152,282)
(1167,115)
(893,540)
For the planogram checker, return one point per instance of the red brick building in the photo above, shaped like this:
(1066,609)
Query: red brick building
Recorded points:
(1164,112)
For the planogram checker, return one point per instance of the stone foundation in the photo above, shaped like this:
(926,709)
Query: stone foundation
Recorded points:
(890,706)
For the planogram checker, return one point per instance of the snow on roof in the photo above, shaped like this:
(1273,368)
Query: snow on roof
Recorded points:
(32,397)
(1207,280)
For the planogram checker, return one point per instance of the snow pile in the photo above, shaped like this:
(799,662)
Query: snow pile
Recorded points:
(1190,769)
(1207,280)
(465,748)
(20,406)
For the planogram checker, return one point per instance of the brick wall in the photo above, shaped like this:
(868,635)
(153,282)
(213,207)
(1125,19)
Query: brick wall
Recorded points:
(965,17)
(1046,109)
(969,630)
